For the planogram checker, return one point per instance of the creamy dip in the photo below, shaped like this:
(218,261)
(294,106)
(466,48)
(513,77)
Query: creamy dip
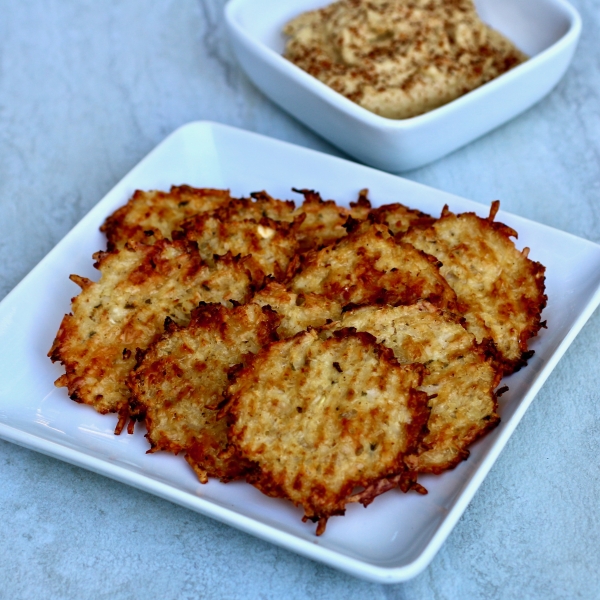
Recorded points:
(399,58)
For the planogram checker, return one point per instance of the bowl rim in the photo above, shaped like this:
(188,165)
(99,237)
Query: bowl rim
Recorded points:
(357,112)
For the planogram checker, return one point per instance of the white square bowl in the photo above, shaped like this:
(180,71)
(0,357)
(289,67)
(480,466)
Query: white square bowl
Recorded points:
(546,30)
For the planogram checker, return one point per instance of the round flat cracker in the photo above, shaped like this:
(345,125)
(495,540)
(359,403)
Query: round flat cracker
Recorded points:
(459,380)
(152,216)
(400,218)
(271,245)
(298,312)
(321,417)
(500,290)
(322,221)
(180,380)
(370,267)
(125,310)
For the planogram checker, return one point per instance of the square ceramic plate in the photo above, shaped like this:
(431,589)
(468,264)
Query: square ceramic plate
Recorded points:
(546,30)
(398,535)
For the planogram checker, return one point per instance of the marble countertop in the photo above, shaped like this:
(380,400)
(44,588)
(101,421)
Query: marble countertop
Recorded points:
(87,89)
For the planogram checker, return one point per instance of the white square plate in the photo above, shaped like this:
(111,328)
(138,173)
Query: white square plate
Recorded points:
(546,30)
(398,535)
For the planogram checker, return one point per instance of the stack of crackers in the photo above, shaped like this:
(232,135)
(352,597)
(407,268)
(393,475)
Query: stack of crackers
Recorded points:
(325,354)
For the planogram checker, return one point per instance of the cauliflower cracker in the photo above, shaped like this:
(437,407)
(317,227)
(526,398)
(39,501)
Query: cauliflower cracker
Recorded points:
(125,310)
(269,245)
(152,216)
(259,206)
(181,377)
(323,221)
(400,218)
(370,267)
(321,417)
(298,312)
(500,290)
(459,379)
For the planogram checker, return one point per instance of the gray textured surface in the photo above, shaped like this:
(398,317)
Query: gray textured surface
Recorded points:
(86,90)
